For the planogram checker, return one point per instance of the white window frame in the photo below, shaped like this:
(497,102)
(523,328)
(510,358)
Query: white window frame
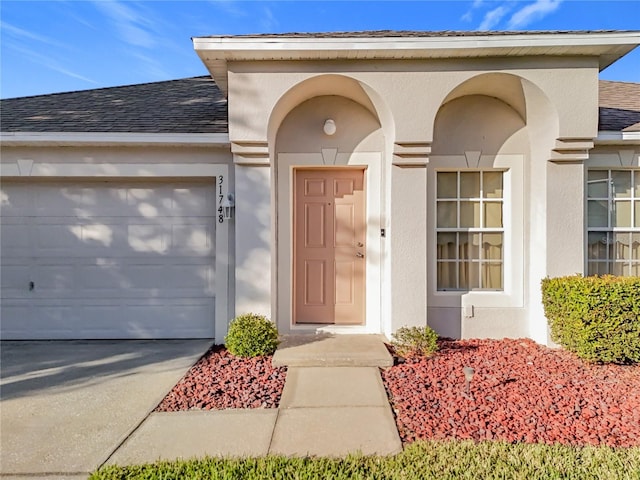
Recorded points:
(611,229)
(481,200)
(513,213)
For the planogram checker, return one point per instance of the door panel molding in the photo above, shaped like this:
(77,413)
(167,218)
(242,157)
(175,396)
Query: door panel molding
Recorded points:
(283,265)
(329,246)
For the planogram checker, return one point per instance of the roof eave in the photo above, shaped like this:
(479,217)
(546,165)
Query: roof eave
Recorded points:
(113,138)
(609,137)
(216,51)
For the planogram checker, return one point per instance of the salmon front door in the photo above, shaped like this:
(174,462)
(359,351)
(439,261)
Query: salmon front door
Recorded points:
(329,246)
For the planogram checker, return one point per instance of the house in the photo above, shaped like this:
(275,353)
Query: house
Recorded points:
(339,182)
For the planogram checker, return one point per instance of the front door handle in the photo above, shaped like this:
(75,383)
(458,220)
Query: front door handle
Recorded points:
(360,255)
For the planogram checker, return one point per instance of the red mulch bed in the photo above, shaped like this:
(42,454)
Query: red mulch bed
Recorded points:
(522,392)
(219,380)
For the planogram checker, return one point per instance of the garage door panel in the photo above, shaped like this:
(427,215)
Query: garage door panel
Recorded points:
(108,260)
(111,240)
(171,277)
(184,233)
(13,236)
(15,277)
(106,277)
(54,277)
(148,238)
(96,321)
(158,278)
(198,238)
(123,201)
(193,200)
(15,201)
(48,323)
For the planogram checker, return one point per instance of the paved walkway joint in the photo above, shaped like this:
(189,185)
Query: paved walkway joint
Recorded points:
(324,411)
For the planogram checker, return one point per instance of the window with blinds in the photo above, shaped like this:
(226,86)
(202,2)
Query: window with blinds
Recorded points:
(470,230)
(613,222)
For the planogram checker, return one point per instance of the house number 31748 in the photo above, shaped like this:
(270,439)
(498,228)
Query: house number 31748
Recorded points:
(220,198)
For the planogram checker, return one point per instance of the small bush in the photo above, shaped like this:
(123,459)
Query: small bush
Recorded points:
(251,335)
(415,341)
(597,318)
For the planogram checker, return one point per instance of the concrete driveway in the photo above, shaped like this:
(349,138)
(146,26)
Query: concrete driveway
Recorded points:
(66,406)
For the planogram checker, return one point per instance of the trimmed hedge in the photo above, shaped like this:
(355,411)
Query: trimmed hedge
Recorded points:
(598,318)
(251,335)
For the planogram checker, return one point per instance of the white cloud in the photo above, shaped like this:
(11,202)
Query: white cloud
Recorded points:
(268,21)
(48,62)
(468,15)
(229,6)
(134,27)
(532,12)
(493,17)
(151,67)
(17,32)
(69,73)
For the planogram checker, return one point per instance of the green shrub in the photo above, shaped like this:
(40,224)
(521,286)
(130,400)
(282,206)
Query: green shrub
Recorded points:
(415,341)
(251,335)
(598,318)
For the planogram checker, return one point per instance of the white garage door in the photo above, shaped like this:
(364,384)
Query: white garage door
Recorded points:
(87,260)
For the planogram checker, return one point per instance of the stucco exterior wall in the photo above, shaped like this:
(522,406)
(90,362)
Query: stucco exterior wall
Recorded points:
(116,161)
(614,156)
(412,90)
(533,116)
(253,292)
(357,129)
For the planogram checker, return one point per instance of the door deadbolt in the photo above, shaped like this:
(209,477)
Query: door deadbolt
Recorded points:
(360,255)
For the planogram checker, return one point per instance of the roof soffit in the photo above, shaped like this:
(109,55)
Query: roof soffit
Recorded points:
(216,51)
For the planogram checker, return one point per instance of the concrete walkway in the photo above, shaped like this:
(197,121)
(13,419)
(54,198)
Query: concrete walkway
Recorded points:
(69,407)
(325,411)
(66,406)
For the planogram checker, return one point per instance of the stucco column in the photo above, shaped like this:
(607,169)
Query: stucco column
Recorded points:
(565,207)
(253,235)
(408,235)
(565,231)
(565,218)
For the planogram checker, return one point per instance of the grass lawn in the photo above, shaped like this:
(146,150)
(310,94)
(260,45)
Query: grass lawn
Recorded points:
(421,461)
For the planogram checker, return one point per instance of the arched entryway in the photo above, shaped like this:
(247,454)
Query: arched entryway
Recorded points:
(328,178)
(492,139)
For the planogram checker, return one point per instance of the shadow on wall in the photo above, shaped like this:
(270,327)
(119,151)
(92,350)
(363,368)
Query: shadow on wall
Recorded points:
(357,129)
(477,123)
(253,240)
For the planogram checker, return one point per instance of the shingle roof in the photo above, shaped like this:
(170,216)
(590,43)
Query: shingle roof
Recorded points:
(189,105)
(196,105)
(619,106)
(410,34)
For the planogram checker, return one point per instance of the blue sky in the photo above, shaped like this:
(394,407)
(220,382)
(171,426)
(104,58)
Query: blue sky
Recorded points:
(65,45)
